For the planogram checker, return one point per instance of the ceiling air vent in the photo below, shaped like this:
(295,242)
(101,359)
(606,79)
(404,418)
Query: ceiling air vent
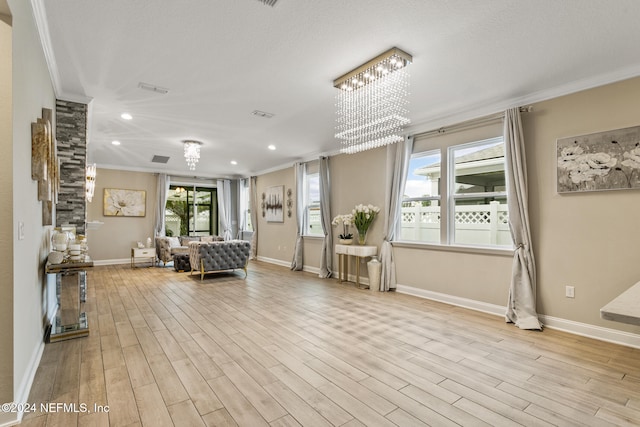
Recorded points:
(268,2)
(264,114)
(153,88)
(160,159)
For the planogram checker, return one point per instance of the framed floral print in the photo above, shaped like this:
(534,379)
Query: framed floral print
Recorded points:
(599,161)
(118,202)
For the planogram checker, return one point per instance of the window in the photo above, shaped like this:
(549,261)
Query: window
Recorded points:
(475,210)
(191,211)
(421,199)
(312,205)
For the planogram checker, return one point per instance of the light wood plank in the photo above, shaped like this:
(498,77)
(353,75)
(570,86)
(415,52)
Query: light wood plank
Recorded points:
(167,379)
(237,405)
(259,398)
(298,408)
(185,413)
(287,348)
(201,394)
(151,407)
(123,410)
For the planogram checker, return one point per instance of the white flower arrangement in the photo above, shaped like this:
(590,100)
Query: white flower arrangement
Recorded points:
(346,220)
(363,216)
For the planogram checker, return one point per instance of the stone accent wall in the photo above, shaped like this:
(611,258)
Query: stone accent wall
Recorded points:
(71,136)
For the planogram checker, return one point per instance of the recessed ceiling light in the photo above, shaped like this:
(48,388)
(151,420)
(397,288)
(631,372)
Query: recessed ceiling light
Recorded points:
(115,142)
(272,147)
(126,116)
(233,162)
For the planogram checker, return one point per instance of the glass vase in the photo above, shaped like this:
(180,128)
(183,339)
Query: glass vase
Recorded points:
(362,238)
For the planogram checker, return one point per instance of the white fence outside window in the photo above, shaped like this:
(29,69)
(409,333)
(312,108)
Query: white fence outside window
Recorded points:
(483,225)
(474,224)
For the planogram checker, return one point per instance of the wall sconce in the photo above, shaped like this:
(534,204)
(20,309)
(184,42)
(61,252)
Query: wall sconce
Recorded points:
(91,181)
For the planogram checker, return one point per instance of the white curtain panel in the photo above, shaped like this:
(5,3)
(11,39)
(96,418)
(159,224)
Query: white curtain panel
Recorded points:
(162,189)
(224,207)
(243,205)
(326,255)
(253,205)
(298,258)
(521,308)
(398,158)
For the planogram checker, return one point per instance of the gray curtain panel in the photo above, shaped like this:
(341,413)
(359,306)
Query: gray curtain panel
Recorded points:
(326,255)
(398,157)
(224,207)
(253,205)
(162,189)
(298,259)
(521,307)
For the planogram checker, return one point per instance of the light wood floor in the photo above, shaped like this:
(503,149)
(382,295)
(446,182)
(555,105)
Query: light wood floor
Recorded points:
(283,349)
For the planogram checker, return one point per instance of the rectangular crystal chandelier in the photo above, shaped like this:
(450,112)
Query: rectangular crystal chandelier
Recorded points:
(371,104)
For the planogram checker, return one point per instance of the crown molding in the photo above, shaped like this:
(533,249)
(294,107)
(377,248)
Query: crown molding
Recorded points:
(497,106)
(42,25)
(40,17)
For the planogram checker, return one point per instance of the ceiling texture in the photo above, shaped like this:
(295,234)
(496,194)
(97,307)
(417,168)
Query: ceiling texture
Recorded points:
(220,60)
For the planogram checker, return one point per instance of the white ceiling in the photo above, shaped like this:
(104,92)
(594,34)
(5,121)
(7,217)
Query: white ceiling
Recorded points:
(222,59)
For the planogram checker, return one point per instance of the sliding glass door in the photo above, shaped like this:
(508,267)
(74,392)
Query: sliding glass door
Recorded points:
(191,211)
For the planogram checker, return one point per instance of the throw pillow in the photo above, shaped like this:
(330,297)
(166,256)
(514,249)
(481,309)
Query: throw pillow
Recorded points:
(184,240)
(174,242)
(207,239)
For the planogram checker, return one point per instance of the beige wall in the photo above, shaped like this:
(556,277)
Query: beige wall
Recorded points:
(355,179)
(587,240)
(6,213)
(114,239)
(276,240)
(584,240)
(32,91)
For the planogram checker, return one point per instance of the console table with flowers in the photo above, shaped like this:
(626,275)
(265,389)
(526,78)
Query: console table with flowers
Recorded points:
(344,252)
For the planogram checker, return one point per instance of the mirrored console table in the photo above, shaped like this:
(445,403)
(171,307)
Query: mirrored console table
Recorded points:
(70,320)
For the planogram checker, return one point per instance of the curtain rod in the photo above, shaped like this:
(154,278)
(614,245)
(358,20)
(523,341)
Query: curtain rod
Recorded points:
(469,124)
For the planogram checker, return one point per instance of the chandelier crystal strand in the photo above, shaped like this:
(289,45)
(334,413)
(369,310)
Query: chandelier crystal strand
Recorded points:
(371,106)
(192,153)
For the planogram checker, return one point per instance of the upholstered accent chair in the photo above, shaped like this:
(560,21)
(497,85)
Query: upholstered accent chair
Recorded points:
(167,247)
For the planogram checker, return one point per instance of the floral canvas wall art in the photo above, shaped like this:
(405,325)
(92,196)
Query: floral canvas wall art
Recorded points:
(599,161)
(118,202)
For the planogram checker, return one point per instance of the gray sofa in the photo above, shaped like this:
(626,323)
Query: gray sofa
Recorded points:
(219,256)
(167,247)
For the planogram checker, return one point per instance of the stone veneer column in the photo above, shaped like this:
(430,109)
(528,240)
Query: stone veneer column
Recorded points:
(71,136)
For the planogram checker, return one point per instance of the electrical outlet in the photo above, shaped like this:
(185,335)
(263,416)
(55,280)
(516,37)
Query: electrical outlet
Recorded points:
(570,291)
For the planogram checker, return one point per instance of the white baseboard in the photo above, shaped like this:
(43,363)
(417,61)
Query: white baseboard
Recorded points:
(591,331)
(307,268)
(22,394)
(311,269)
(9,419)
(111,261)
(275,261)
(453,300)
(577,328)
